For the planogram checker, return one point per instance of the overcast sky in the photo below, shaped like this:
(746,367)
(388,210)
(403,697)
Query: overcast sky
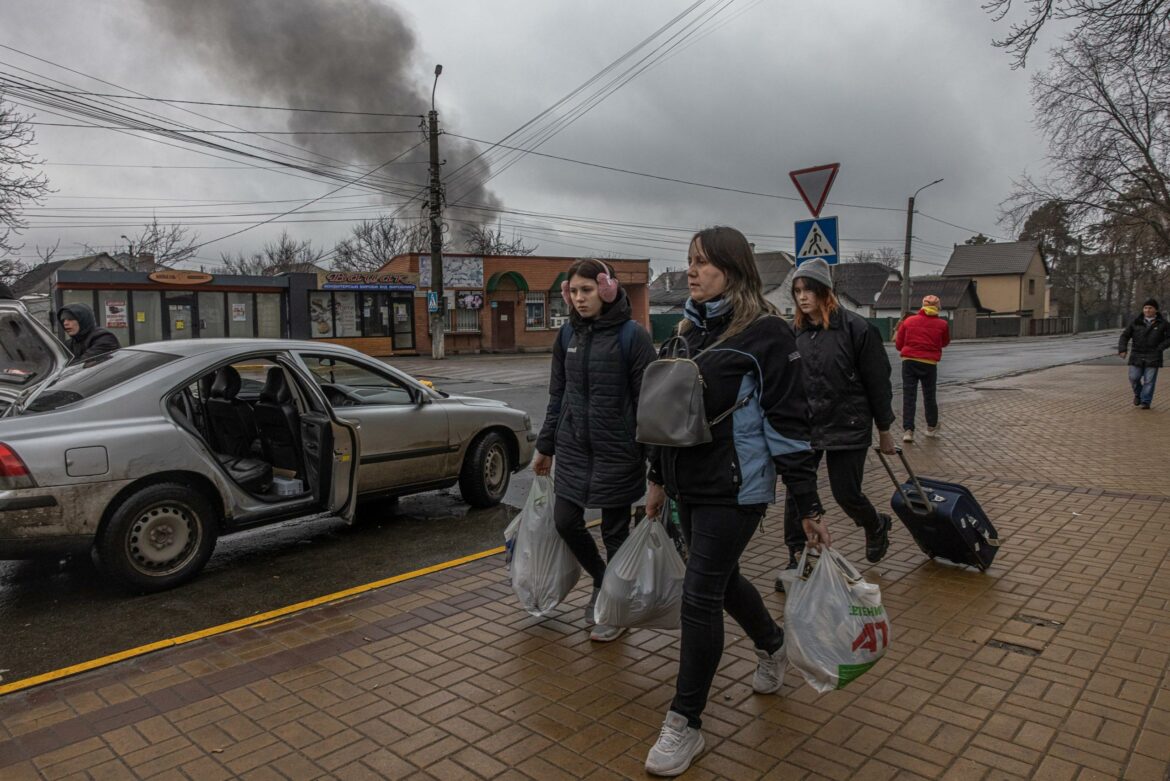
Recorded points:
(899,93)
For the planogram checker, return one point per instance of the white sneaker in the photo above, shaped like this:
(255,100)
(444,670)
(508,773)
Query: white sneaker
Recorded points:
(678,745)
(603,633)
(933,432)
(908,436)
(770,669)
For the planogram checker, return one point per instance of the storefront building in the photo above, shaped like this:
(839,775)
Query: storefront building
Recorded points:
(371,312)
(506,303)
(494,303)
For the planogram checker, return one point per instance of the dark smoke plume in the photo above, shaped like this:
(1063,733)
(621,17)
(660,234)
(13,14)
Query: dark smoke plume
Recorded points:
(350,55)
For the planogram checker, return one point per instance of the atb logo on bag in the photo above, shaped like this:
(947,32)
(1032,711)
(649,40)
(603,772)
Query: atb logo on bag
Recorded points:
(868,639)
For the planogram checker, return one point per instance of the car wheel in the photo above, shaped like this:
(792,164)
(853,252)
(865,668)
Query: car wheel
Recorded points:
(158,537)
(487,469)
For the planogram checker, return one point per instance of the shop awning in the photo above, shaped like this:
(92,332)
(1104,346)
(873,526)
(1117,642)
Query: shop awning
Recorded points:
(494,282)
(556,285)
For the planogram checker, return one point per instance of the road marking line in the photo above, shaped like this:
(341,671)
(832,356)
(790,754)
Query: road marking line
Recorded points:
(259,618)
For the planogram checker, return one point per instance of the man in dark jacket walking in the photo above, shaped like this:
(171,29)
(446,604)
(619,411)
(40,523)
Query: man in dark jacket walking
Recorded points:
(1150,334)
(85,339)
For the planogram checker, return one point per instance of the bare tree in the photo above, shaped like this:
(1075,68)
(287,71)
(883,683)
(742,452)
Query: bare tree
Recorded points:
(1128,28)
(1108,131)
(20,182)
(284,254)
(169,244)
(373,242)
(890,257)
(482,240)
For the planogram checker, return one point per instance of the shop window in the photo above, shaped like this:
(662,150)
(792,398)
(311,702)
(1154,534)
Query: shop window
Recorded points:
(211,315)
(376,314)
(269,320)
(534,312)
(241,315)
(147,316)
(558,310)
(347,318)
(113,313)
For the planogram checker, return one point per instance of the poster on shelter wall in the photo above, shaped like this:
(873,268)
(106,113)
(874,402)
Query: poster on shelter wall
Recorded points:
(239,313)
(116,314)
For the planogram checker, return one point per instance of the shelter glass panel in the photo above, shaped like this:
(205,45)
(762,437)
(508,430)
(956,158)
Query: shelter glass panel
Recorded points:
(268,316)
(242,317)
(147,314)
(211,315)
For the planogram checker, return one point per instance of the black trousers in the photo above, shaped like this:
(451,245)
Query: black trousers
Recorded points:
(913,373)
(716,537)
(615,528)
(846,469)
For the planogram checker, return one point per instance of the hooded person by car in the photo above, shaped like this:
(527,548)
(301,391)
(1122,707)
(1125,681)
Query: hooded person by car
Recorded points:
(86,340)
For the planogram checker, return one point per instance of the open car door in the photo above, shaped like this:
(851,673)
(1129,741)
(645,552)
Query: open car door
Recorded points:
(346,452)
(30,354)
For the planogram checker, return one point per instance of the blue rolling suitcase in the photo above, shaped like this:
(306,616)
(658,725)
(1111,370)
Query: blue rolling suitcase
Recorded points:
(944,518)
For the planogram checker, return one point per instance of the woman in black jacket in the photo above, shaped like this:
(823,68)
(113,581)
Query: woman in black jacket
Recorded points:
(749,364)
(847,380)
(592,406)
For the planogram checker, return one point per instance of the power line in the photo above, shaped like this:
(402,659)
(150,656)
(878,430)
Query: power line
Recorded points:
(234,132)
(214,103)
(961,227)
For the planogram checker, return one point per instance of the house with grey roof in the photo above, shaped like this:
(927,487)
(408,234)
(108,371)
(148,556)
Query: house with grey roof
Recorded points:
(858,285)
(1012,276)
(668,293)
(959,298)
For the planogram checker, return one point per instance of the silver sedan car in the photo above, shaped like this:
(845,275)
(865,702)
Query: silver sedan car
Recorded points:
(148,454)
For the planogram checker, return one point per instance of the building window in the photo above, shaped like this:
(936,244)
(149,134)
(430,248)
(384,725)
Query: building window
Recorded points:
(1031,287)
(558,310)
(534,312)
(463,320)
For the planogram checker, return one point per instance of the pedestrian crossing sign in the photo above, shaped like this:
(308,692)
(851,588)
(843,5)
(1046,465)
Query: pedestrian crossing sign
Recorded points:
(816,239)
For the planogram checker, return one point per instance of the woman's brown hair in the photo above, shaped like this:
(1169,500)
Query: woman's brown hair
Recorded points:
(827,302)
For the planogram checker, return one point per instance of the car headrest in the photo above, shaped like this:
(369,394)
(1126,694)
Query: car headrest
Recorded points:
(276,390)
(227,383)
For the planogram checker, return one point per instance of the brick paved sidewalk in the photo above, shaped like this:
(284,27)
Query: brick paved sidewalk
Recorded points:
(1051,666)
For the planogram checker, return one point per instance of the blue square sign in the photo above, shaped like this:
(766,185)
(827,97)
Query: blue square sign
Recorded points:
(817,239)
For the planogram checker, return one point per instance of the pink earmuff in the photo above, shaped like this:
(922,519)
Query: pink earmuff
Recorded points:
(565,294)
(607,287)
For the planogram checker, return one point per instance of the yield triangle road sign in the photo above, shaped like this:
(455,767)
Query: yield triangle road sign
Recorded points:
(814,184)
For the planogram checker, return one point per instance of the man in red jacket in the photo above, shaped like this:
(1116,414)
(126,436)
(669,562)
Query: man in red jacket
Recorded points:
(920,341)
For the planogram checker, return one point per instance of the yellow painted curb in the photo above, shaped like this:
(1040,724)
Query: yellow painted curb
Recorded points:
(259,618)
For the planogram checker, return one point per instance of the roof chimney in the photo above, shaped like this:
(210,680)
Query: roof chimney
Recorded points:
(667,277)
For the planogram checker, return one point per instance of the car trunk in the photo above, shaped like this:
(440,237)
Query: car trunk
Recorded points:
(29,353)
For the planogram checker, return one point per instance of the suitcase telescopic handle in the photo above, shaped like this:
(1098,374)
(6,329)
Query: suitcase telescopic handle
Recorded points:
(913,478)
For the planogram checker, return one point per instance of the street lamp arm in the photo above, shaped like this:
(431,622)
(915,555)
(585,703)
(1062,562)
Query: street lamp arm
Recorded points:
(923,187)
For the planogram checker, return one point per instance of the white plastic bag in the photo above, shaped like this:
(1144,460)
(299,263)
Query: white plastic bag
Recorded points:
(643,585)
(543,568)
(835,627)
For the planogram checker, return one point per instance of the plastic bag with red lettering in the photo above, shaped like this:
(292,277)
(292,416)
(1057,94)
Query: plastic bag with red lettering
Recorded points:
(835,627)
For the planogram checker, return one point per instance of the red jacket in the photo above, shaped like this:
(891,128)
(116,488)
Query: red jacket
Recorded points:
(922,337)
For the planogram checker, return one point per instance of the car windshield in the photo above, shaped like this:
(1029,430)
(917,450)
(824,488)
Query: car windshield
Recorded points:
(88,378)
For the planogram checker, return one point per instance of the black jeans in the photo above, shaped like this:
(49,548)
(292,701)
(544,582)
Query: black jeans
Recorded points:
(914,372)
(717,536)
(615,528)
(846,469)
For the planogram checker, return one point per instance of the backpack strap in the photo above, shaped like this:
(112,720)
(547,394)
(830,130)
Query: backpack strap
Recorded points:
(625,338)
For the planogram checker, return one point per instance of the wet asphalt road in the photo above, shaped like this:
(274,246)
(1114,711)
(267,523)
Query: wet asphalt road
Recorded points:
(54,614)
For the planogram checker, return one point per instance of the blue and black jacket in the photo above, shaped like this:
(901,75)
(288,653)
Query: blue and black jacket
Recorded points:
(768,434)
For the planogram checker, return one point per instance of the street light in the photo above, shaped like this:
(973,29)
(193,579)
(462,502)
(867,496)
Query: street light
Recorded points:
(131,245)
(906,258)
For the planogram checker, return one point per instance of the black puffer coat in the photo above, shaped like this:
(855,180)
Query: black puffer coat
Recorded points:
(90,340)
(592,411)
(1148,341)
(847,379)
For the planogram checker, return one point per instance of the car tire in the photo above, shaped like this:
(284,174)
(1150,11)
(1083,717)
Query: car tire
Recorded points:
(487,469)
(158,537)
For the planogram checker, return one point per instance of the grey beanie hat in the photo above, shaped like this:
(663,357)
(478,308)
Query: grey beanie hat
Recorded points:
(816,269)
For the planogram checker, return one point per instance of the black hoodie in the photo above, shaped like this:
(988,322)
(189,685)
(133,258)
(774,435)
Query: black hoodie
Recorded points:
(90,340)
(1149,340)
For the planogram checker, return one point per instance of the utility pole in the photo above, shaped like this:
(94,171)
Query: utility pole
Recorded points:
(438,317)
(1076,327)
(906,257)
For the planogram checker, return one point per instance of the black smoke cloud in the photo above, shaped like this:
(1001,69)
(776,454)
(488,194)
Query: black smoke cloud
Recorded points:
(348,55)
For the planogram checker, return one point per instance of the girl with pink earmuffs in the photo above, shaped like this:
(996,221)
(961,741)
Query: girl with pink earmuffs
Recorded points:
(597,364)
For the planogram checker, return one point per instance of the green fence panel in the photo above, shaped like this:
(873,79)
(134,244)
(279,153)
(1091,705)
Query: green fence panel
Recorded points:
(662,326)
